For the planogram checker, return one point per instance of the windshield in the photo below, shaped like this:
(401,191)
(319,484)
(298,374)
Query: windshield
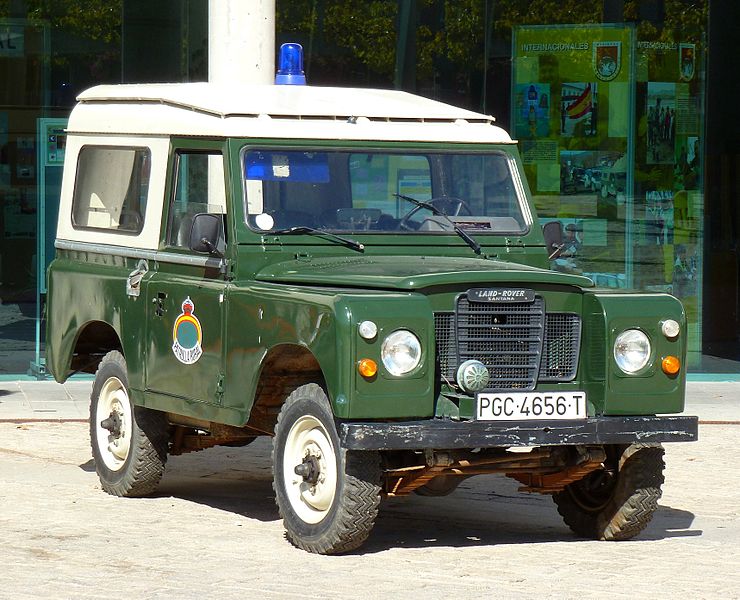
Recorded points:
(345,191)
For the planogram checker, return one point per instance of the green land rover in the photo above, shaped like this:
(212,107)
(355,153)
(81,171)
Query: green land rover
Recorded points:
(360,275)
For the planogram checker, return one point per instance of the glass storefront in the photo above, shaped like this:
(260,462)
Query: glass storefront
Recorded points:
(624,112)
(49,52)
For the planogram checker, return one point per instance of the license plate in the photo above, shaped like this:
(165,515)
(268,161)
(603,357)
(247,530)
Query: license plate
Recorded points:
(530,406)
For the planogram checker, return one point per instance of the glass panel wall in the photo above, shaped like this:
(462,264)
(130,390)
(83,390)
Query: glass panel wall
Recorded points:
(623,109)
(49,52)
(608,100)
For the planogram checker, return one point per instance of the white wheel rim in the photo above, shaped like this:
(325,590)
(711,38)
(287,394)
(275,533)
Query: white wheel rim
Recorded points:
(113,400)
(308,438)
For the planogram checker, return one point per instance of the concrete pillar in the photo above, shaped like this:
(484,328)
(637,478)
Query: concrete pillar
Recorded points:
(241,41)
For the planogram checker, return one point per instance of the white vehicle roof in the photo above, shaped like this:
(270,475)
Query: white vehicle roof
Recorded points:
(270,111)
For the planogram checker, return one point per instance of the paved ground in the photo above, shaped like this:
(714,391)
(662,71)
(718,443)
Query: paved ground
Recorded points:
(213,529)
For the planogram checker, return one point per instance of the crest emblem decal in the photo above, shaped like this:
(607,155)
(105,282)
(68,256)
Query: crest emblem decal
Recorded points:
(187,335)
(607,60)
(686,61)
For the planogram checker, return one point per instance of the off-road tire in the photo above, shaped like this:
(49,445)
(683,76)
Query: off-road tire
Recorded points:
(346,523)
(627,506)
(139,473)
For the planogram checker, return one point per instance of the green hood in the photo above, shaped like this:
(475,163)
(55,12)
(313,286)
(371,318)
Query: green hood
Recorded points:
(411,272)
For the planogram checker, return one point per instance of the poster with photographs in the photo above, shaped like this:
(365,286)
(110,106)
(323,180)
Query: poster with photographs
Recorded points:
(661,123)
(685,270)
(587,171)
(659,218)
(532,116)
(688,167)
(578,109)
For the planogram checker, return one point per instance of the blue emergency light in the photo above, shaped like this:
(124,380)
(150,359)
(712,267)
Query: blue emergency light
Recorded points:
(290,71)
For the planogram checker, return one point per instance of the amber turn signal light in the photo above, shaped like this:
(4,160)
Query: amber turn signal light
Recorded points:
(671,365)
(367,367)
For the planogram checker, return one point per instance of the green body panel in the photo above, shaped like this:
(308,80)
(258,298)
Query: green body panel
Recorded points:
(87,288)
(324,322)
(309,294)
(651,390)
(166,292)
(410,272)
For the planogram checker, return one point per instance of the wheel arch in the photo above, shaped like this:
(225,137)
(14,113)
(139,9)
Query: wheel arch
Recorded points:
(93,341)
(284,368)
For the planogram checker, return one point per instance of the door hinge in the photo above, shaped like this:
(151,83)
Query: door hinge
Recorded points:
(220,389)
(271,243)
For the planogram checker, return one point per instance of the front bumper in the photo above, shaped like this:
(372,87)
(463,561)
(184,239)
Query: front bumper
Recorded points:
(446,434)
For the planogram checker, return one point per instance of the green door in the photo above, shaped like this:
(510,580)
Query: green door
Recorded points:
(187,294)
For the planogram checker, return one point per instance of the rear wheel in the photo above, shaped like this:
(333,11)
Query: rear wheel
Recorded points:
(615,503)
(327,496)
(129,443)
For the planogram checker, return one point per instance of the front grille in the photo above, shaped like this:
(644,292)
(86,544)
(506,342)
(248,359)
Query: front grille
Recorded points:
(518,342)
(560,348)
(444,329)
(506,337)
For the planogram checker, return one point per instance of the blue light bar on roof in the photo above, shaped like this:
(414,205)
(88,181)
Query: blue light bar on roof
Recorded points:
(290,71)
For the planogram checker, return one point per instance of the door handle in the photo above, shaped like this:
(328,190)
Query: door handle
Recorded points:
(133,282)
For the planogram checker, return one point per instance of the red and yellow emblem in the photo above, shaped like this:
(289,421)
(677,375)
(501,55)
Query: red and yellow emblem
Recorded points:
(607,59)
(187,335)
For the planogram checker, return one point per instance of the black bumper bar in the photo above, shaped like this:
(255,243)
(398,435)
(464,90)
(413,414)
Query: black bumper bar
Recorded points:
(445,434)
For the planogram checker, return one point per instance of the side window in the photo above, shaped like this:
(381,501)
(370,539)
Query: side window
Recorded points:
(111,189)
(199,188)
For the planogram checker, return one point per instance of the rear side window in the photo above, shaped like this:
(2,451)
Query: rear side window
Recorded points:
(111,189)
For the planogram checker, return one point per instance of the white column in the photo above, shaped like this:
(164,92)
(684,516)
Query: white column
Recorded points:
(241,41)
(241,49)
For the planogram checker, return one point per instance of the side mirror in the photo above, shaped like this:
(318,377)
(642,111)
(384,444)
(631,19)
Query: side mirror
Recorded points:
(553,234)
(206,233)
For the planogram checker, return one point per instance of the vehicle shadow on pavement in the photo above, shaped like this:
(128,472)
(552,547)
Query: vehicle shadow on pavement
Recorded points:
(89,466)
(483,511)
(236,480)
(669,523)
(487,511)
(408,529)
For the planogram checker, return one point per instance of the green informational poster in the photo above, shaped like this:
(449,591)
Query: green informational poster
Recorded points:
(571,103)
(609,130)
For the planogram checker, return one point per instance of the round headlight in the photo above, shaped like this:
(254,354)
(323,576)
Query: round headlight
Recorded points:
(670,328)
(631,350)
(400,352)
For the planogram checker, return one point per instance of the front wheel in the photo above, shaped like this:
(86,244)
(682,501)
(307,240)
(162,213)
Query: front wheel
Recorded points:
(617,502)
(327,496)
(129,443)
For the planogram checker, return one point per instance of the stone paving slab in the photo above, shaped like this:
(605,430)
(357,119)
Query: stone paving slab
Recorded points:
(34,400)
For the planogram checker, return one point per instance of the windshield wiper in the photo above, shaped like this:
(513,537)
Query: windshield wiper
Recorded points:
(355,245)
(435,211)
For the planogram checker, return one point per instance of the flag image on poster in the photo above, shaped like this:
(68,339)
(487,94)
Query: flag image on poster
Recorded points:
(578,109)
